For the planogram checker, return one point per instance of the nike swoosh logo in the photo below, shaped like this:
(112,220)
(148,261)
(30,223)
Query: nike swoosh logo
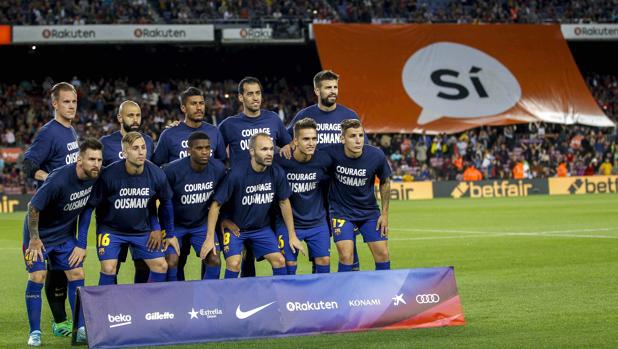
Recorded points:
(245,314)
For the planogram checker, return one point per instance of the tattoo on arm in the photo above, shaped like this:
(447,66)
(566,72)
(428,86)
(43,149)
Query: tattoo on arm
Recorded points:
(385,194)
(33,222)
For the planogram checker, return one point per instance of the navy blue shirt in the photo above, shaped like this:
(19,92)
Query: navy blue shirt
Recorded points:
(252,194)
(173,143)
(112,147)
(53,146)
(59,201)
(124,202)
(328,122)
(238,129)
(351,193)
(307,197)
(192,190)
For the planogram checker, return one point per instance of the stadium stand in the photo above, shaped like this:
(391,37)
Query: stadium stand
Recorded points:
(24,108)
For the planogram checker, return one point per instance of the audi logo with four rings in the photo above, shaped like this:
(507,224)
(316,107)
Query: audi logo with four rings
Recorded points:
(427,298)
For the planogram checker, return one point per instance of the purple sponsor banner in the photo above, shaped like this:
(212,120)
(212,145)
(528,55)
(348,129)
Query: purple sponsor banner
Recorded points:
(217,310)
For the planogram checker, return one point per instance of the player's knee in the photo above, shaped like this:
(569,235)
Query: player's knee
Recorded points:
(75,274)
(38,276)
(347,258)
(233,263)
(172,261)
(213,260)
(322,260)
(291,263)
(159,266)
(381,255)
(277,260)
(108,268)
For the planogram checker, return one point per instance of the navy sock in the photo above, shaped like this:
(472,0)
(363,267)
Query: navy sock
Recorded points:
(73,285)
(231,274)
(33,304)
(280,271)
(322,269)
(383,265)
(291,269)
(105,279)
(157,277)
(356,264)
(344,267)
(212,272)
(142,272)
(172,274)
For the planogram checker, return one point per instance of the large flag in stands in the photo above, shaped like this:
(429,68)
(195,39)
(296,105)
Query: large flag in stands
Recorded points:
(449,78)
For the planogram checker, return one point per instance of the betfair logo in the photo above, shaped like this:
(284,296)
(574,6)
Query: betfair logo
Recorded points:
(8,206)
(492,189)
(596,185)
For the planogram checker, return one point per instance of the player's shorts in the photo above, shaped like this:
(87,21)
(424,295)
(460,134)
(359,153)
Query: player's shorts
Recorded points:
(193,236)
(58,257)
(263,241)
(317,239)
(109,244)
(344,229)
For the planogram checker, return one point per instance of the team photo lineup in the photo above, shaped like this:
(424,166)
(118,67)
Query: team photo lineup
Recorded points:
(250,189)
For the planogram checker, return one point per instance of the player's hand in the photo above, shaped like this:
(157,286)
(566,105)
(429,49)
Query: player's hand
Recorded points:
(206,248)
(382,225)
(35,250)
(228,224)
(155,240)
(173,241)
(173,124)
(286,151)
(296,245)
(77,256)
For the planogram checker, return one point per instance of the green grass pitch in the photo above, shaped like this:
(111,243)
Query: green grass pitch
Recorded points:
(536,272)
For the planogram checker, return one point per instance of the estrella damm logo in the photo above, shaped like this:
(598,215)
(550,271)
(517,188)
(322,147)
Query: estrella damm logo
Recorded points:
(583,185)
(491,189)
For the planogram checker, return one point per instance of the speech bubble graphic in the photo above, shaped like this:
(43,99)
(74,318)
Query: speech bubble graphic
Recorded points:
(453,80)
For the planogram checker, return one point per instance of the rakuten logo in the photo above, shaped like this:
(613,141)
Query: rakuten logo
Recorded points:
(118,320)
(311,306)
(159,316)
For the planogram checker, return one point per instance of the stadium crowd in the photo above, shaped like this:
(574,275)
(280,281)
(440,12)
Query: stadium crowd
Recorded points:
(19,12)
(494,151)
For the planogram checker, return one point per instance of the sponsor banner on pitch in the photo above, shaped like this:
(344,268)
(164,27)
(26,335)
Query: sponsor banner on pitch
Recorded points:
(112,33)
(203,311)
(583,185)
(409,190)
(14,203)
(11,154)
(589,31)
(490,188)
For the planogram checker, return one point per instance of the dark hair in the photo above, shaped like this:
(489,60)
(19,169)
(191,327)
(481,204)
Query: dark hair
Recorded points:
(61,86)
(304,124)
(190,92)
(350,123)
(90,143)
(196,136)
(248,80)
(324,75)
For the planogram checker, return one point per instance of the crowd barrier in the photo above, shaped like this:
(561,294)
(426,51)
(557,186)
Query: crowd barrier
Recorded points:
(217,310)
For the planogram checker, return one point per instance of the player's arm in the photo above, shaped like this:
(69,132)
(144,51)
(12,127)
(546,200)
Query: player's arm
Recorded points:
(32,170)
(79,252)
(35,246)
(288,219)
(166,211)
(213,216)
(385,196)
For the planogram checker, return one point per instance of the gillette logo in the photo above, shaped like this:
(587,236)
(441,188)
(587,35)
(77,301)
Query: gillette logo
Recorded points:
(159,316)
